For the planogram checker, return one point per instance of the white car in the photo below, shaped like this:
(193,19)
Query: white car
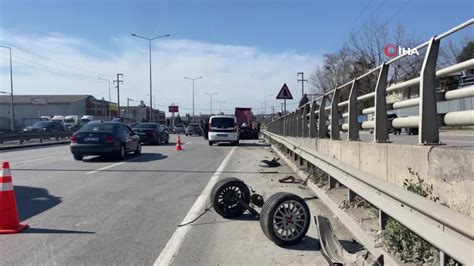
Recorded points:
(223,128)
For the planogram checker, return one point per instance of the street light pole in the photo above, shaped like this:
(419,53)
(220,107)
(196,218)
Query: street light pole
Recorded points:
(151,87)
(220,105)
(210,95)
(12,110)
(193,79)
(108,80)
(265,110)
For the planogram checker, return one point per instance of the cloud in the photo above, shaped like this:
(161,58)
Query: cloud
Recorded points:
(241,75)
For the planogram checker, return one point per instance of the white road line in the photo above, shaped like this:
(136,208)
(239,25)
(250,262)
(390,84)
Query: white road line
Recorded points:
(104,168)
(187,143)
(34,160)
(169,253)
(116,164)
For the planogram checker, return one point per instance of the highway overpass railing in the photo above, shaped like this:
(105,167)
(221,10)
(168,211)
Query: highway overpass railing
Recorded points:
(27,136)
(451,232)
(316,119)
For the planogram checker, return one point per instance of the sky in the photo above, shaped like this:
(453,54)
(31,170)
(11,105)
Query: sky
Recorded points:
(244,50)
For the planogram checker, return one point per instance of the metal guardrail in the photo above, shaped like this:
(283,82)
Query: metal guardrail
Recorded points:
(21,137)
(306,121)
(446,229)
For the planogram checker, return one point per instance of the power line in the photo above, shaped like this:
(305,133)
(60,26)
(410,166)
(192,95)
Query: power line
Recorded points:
(49,67)
(51,60)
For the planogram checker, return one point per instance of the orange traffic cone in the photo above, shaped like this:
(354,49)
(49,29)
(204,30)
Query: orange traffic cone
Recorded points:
(178,144)
(9,221)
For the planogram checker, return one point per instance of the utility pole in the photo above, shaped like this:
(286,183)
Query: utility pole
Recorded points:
(12,111)
(302,80)
(118,81)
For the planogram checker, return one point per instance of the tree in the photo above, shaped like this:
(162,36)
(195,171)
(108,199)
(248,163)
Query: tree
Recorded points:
(304,100)
(362,52)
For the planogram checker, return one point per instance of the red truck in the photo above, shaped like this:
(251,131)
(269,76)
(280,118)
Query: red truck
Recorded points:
(247,123)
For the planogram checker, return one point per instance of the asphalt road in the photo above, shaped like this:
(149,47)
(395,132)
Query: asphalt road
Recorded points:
(103,211)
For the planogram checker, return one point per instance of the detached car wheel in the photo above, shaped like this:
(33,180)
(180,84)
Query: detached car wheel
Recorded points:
(285,218)
(78,157)
(226,194)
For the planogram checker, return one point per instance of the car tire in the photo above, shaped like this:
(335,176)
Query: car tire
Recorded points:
(158,141)
(210,143)
(274,217)
(167,140)
(138,151)
(225,196)
(77,157)
(122,152)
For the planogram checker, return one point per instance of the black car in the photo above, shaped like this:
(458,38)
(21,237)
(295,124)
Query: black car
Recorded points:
(193,129)
(46,126)
(151,133)
(104,138)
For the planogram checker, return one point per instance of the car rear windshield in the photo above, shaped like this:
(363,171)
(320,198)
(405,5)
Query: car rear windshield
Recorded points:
(222,122)
(98,127)
(194,126)
(151,126)
(69,120)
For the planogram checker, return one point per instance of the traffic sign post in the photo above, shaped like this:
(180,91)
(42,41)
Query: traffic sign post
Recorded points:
(284,95)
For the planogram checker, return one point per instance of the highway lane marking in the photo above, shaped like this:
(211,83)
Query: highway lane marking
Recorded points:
(34,160)
(115,164)
(104,168)
(169,253)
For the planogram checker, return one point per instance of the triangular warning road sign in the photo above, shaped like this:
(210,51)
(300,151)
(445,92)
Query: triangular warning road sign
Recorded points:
(284,93)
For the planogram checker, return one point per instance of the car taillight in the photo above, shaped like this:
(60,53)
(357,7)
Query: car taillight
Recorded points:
(73,138)
(109,139)
(210,127)
(150,133)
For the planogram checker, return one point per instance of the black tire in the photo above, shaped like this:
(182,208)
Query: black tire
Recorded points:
(77,157)
(138,151)
(122,152)
(225,196)
(273,209)
(210,143)
(167,140)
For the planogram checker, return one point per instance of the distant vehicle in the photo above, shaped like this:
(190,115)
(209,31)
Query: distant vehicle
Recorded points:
(151,133)
(58,118)
(193,129)
(247,124)
(71,122)
(86,119)
(179,129)
(46,126)
(223,128)
(104,138)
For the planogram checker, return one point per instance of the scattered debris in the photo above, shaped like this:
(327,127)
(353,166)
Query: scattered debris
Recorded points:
(310,198)
(290,179)
(271,163)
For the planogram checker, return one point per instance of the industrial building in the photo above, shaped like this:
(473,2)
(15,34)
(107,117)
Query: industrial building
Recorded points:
(30,108)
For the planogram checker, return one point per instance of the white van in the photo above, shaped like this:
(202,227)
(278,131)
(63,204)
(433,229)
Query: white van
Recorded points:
(223,128)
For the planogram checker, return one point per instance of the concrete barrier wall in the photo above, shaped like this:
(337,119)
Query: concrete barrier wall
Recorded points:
(449,170)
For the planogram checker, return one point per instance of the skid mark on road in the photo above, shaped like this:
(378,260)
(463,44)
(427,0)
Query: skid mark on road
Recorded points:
(169,253)
(115,164)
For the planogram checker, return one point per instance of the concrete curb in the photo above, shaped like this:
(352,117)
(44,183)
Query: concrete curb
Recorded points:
(367,240)
(36,145)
